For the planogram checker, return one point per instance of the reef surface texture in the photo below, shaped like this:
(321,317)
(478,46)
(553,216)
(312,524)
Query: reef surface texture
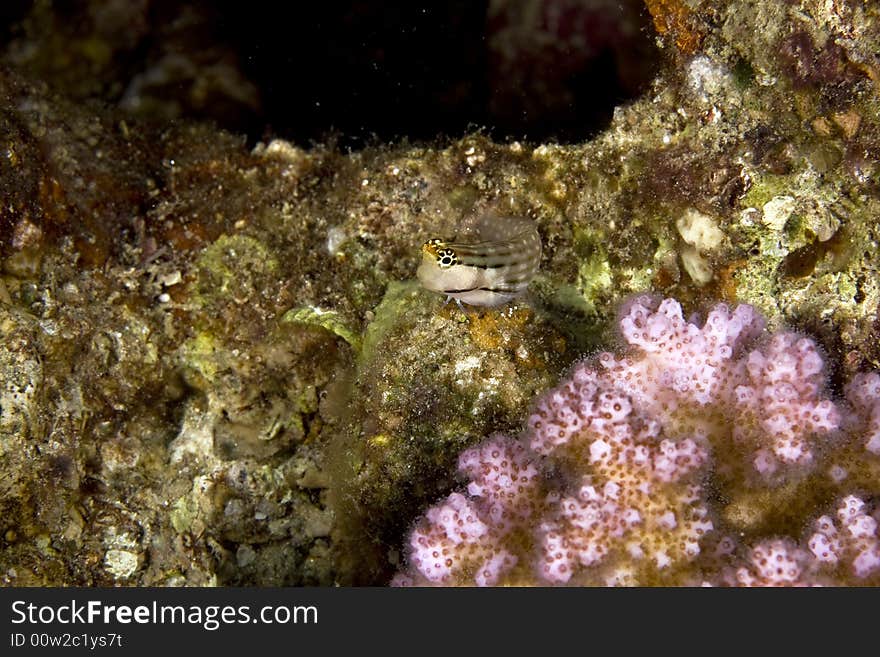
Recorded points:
(216,366)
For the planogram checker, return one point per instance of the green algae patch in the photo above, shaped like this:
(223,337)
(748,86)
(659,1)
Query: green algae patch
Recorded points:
(326,319)
(232,276)
(199,357)
(184,513)
(230,258)
(399,297)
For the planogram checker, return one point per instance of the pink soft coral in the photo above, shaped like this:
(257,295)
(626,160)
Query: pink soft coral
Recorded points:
(612,481)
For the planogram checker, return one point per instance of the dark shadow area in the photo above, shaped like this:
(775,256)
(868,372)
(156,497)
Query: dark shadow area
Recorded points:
(353,72)
(533,71)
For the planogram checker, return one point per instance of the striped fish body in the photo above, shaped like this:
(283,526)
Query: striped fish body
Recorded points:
(490,271)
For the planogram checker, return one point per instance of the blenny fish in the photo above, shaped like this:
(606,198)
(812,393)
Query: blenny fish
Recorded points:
(490,271)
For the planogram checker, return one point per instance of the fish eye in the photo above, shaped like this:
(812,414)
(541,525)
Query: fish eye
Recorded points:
(446,258)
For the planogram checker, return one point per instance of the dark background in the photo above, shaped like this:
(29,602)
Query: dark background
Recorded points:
(349,72)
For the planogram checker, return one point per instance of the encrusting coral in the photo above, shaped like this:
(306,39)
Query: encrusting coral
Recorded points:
(622,474)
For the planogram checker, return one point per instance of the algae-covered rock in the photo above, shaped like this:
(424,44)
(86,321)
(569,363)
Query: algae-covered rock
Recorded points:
(430,379)
(216,365)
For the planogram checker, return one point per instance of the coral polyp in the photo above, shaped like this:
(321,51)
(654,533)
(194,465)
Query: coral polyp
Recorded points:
(622,473)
